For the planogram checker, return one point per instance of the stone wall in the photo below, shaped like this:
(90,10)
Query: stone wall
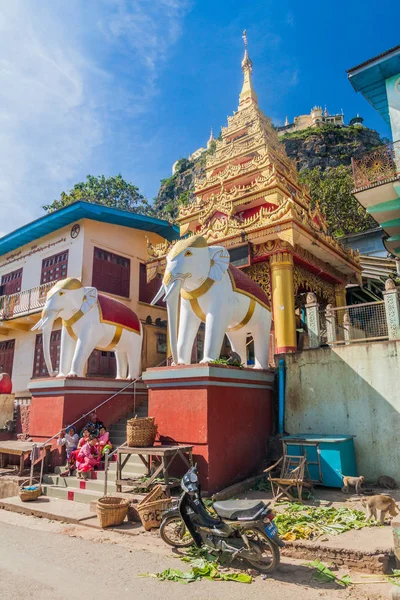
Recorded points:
(22,419)
(349,390)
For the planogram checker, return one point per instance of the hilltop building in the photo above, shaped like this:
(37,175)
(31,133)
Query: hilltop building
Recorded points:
(316,118)
(197,153)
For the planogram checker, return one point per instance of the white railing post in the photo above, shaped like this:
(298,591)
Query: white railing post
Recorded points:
(330,324)
(347,328)
(392,309)
(313,321)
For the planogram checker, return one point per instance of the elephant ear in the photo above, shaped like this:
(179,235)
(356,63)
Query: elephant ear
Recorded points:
(219,258)
(89,299)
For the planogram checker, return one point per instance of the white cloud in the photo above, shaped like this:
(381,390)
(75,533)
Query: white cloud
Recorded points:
(59,92)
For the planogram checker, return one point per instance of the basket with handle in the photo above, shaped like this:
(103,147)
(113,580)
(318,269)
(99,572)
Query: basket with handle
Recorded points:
(151,513)
(141,433)
(111,510)
(30,492)
(157,493)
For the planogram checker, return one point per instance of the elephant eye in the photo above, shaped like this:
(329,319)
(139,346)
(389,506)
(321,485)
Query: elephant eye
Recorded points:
(61,293)
(188,253)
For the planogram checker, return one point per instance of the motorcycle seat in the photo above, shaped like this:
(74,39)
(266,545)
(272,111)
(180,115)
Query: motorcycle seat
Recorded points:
(238,509)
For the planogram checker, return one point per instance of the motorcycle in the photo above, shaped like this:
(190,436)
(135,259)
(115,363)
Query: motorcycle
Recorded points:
(241,529)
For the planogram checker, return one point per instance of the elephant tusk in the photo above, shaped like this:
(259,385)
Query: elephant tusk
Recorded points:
(38,325)
(176,282)
(160,294)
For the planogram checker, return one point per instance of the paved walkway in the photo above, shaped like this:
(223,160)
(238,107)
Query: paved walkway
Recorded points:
(53,561)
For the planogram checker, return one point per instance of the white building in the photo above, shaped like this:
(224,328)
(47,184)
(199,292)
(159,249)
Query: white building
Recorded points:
(101,246)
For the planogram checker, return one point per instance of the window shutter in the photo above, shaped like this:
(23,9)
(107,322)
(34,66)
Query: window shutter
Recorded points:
(111,273)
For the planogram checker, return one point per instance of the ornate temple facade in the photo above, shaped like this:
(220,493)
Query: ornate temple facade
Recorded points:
(250,201)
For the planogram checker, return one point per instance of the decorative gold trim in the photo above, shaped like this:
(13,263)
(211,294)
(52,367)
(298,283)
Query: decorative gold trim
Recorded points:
(70,283)
(244,293)
(194,303)
(74,319)
(115,340)
(200,291)
(195,241)
(247,318)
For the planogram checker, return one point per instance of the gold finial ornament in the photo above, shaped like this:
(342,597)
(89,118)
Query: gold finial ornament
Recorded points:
(248,94)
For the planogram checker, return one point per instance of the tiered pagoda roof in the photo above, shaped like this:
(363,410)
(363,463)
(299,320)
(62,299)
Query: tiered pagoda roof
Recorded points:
(251,193)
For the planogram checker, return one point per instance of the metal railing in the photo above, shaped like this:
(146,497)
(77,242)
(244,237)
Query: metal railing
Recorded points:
(39,450)
(356,323)
(378,166)
(25,302)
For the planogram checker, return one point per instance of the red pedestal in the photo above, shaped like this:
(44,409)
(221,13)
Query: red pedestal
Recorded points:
(59,402)
(225,412)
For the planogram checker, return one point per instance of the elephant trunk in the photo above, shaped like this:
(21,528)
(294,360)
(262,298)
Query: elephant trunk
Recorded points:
(46,325)
(171,293)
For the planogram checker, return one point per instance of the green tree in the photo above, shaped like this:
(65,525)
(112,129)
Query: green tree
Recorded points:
(332,189)
(109,191)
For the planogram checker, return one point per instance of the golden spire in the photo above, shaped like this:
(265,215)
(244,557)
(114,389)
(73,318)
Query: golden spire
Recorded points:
(211,139)
(248,94)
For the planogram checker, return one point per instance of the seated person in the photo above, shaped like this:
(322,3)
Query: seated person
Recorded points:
(94,424)
(68,438)
(71,463)
(104,441)
(88,457)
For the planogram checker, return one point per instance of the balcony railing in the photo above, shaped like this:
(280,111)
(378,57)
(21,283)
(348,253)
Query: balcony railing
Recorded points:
(358,323)
(378,166)
(24,303)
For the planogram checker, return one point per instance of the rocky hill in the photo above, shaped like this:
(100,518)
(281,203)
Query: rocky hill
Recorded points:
(328,146)
(323,157)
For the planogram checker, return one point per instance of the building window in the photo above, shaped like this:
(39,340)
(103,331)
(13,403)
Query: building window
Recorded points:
(111,273)
(7,356)
(102,364)
(162,343)
(11,283)
(240,256)
(39,365)
(54,267)
(147,291)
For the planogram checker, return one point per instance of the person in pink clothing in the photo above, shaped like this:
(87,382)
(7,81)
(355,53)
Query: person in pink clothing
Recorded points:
(88,458)
(104,441)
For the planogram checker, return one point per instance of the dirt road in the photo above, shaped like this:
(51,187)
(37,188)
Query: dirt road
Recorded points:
(46,560)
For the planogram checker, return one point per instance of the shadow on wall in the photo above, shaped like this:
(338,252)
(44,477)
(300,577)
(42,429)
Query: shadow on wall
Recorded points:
(352,390)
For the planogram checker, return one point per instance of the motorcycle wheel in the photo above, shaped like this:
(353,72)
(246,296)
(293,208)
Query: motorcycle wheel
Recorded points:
(174,533)
(270,556)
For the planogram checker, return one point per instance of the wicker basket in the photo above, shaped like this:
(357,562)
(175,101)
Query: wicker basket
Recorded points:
(141,433)
(29,495)
(157,493)
(151,513)
(111,510)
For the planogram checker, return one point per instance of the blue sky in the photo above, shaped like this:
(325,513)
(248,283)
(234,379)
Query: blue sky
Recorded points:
(109,86)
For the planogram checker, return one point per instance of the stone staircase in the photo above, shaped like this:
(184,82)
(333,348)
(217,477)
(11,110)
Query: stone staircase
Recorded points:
(78,490)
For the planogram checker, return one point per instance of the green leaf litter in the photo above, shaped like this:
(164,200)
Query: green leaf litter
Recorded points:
(325,575)
(310,522)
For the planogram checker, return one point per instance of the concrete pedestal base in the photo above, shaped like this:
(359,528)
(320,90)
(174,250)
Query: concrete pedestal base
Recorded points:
(59,402)
(224,412)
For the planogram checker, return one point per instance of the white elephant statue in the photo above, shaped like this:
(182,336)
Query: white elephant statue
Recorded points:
(90,320)
(200,285)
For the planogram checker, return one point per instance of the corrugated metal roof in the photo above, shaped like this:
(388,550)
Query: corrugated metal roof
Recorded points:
(84,210)
(369,78)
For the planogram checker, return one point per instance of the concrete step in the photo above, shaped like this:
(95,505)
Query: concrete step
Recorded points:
(134,464)
(96,477)
(73,483)
(76,495)
(117,440)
